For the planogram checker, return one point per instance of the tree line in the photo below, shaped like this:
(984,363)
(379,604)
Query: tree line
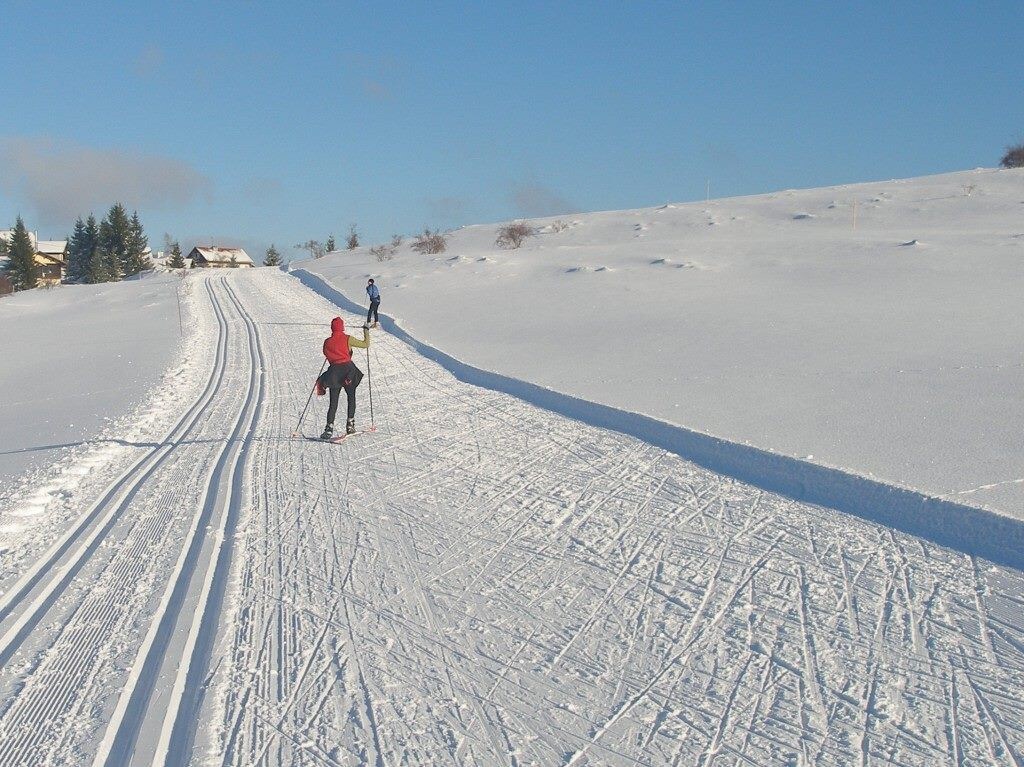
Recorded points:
(104,251)
(109,251)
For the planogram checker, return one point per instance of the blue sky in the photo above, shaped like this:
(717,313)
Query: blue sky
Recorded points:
(259,122)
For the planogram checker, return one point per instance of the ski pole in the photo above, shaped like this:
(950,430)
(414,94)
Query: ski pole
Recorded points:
(298,426)
(369,383)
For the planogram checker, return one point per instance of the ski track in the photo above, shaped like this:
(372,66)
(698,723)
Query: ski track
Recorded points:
(478,582)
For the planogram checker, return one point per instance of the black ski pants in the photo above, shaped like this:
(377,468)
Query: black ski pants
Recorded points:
(332,409)
(372,312)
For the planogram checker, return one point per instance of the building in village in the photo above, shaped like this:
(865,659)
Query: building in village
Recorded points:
(52,259)
(216,257)
(50,256)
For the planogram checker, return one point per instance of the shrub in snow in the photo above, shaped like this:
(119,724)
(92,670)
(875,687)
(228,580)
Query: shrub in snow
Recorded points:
(353,238)
(382,252)
(1014,157)
(430,242)
(559,226)
(511,236)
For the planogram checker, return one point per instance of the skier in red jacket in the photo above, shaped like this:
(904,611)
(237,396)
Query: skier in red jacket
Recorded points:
(341,374)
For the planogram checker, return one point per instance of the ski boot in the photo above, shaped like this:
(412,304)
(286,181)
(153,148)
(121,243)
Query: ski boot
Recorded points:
(328,431)
(350,426)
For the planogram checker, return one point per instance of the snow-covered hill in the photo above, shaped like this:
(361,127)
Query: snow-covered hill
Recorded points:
(873,327)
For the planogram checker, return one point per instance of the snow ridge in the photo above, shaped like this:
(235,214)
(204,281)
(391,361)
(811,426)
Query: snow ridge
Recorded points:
(969,529)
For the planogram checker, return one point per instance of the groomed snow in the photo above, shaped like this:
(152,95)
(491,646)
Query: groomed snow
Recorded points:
(479,581)
(890,348)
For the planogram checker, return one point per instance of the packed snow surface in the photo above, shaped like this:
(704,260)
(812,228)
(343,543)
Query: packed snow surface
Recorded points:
(74,359)
(876,328)
(477,582)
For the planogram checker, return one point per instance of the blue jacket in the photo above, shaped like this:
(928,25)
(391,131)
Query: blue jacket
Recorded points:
(373,292)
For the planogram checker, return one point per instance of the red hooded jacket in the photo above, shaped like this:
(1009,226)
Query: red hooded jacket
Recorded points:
(336,348)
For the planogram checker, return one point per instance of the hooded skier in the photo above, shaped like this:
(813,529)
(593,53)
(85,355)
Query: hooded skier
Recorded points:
(341,374)
(374,293)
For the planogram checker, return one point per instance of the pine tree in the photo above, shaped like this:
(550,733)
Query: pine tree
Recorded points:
(96,269)
(353,238)
(136,259)
(21,266)
(176,261)
(273,258)
(115,236)
(330,246)
(78,255)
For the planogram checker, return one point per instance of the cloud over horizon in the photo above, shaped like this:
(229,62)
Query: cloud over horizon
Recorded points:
(61,180)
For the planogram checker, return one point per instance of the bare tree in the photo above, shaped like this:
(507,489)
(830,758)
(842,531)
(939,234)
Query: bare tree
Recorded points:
(512,235)
(430,242)
(315,248)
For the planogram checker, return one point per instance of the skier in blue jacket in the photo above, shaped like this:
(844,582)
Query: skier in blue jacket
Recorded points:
(374,293)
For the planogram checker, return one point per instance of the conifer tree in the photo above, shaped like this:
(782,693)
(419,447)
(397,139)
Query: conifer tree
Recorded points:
(353,238)
(330,246)
(21,266)
(78,254)
(115,236)
(273,258)
(176,261)
(95,270)
(136,259)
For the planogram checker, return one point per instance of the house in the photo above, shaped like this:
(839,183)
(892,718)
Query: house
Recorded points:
(51,257)
(216,257)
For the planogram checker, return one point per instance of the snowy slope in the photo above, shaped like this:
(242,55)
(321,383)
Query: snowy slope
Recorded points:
(891,349)
(75,358)
(477,582)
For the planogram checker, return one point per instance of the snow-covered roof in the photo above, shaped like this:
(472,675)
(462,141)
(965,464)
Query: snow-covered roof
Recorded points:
(52,247)
(218,255)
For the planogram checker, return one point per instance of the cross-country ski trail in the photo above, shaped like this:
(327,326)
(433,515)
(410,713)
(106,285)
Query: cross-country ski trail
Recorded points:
(477,582)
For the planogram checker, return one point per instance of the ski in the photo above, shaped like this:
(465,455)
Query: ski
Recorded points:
(341,437)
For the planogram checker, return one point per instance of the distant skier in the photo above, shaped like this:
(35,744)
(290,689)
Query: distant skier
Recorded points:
(341,374)
(374,293)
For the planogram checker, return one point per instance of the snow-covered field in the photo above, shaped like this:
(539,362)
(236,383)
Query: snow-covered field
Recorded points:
(478,582)
(876,328)
(75,358)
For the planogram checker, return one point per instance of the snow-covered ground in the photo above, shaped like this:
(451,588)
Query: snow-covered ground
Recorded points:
(75,358)
(478,582)
(876,328)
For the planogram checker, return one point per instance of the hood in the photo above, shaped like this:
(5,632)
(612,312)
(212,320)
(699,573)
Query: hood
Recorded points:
(337,325)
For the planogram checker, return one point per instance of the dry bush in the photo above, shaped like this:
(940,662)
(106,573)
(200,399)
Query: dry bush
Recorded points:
(396,241)
(511,236)
(430,242)
(382,252)
(559,226)
(1014,157)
